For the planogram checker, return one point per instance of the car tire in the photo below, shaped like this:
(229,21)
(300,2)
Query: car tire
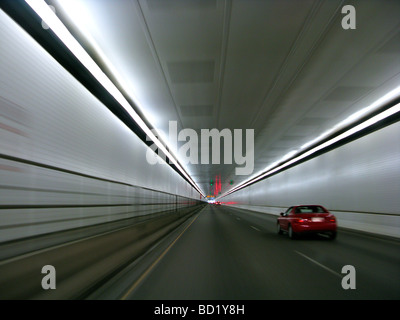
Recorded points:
(291,234)
(332,235)
(279,229)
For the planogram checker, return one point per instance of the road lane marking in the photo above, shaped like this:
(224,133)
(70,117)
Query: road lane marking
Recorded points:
(319,264)
(237,218)
(149,269)
(255,228)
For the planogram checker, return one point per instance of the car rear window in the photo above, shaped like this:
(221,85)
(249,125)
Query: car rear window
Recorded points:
(310,209)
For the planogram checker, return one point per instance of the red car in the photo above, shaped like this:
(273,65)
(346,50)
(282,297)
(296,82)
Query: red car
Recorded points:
(307,219)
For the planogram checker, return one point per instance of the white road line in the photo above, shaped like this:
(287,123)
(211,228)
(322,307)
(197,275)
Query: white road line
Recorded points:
(319,264)
(255,228)
(149,269)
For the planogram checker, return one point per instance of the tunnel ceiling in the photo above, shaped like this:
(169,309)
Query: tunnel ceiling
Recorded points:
(286,69)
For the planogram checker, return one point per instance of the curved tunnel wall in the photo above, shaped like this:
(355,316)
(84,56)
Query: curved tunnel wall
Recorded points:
(65,160)
(359,182)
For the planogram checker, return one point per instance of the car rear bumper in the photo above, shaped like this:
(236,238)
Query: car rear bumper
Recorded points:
(314,227)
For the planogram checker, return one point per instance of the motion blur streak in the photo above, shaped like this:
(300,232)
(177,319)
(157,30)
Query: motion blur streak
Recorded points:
(44,11)
(71,177)
(78,196)
(62,168)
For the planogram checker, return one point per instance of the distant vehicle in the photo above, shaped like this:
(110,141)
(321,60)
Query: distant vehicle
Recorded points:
(303,219)
(218,203)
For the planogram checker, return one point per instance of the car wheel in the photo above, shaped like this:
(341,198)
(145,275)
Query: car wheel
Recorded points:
(332,235)
(290,232)
(279,228)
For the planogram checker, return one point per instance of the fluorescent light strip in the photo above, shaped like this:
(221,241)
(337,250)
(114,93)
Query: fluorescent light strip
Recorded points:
(80,17)
(48,16)
(344,135)
(356,116)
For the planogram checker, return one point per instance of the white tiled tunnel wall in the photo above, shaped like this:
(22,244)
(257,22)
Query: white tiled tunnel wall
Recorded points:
(66,160)
(359,182)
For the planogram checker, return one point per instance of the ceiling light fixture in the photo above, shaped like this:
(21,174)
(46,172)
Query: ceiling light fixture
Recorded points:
(365,124)
(356,116)
(55,24)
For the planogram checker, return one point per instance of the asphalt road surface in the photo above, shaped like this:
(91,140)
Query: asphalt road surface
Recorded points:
(226,253)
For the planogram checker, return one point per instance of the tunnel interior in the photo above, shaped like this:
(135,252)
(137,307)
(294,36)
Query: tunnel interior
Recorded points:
(148,149)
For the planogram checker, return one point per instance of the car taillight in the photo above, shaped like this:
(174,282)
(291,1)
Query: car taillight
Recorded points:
(331,219)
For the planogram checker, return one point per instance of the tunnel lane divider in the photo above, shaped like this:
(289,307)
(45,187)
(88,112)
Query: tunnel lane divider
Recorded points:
(251,226)
(149,269)
(319,264)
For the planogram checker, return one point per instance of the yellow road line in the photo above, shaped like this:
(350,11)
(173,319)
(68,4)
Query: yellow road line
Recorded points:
(141,278)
